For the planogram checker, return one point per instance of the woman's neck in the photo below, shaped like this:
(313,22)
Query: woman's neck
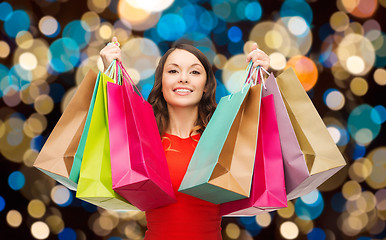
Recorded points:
(182,120)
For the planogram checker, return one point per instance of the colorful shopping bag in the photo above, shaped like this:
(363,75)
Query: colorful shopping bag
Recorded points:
(295,167)
(57,157)
(268,186)
(95,182)
(222,164)
(322,157)
(139,168)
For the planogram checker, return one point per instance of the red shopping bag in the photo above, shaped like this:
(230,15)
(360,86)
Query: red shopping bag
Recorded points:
(268,186)
(138,164)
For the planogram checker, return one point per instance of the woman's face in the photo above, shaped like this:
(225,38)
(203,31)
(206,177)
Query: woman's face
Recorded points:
(183,79)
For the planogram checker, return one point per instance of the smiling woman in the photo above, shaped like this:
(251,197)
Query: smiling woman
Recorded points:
(183,101)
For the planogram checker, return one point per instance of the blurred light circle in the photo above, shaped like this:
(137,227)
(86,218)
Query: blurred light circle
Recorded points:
(264,219)
(361,125)
(92,19)
(15,22)
(232,231)
(310,206)
(142,55)
(2,203)
(380,76)
(55,223)
(356,54)
(335,133)
(14,218)
(316,234)
(139,19)
(60,195)
(311,197)
(355,64)
(334,99)
(300,8)
(297,26)
(40,230)
(28,61)
(380,196)
(277,61)
(372,29)
(378,114)
(64,54)
(29,157)
(234,72)
(253,11)
(273,39)
(4,49)
(289,230)
(67,98)
(152,5)
(24,39)
(79,31)
(11,96)
(98,5)
(287,212)
(16,180)
(351,190)
(339,21)
(235,34)
(359,86)
(105,31)
(360,169)
(5,10)
(166,32)
(36,208)
(305,70)
(361,8)
(219,61)
(49,26)
(377,178)
(221,8)
(67,234)
(44,104)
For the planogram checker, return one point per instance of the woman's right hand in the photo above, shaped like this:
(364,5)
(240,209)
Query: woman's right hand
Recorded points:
(109,53)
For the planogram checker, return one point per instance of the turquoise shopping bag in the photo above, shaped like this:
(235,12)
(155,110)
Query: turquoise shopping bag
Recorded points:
(221,167)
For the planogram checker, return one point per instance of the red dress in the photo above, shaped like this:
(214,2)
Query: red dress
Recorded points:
(189,218)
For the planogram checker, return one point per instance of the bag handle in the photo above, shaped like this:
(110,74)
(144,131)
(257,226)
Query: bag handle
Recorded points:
(127,77)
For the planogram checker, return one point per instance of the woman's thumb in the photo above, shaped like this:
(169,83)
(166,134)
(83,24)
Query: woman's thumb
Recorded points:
(114,39)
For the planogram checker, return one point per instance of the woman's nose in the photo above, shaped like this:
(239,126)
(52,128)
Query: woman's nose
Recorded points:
(184,78)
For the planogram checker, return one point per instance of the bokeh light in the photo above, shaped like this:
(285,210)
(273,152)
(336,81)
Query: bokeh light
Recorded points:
(305,70)
(16,180)
(14,218)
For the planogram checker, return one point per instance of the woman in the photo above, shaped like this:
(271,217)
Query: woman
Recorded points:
(183,100)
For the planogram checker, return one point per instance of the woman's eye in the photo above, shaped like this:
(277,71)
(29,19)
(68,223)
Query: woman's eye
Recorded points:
(172,71)
(195,72)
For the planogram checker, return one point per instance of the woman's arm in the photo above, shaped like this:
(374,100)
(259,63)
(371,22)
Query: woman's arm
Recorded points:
(109,53)
(258,57)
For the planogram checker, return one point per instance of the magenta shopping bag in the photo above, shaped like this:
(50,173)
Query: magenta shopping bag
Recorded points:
(139,169)
(268,186)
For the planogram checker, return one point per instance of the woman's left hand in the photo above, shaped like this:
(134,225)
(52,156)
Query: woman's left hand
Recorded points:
(258,57)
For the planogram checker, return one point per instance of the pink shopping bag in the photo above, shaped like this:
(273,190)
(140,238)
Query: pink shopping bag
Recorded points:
(138,164)
(295,168)
(268,186)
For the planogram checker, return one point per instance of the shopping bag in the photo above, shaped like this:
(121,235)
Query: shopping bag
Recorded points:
(295,168)
(322,157)
(95,182)
(56,158)
(138,164)
(222,164)
(268,187)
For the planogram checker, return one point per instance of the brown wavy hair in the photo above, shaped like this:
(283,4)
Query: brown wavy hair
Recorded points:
(206,106)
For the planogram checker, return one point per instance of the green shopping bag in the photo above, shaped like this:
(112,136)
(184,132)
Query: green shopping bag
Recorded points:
(95,182)
(222,165)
